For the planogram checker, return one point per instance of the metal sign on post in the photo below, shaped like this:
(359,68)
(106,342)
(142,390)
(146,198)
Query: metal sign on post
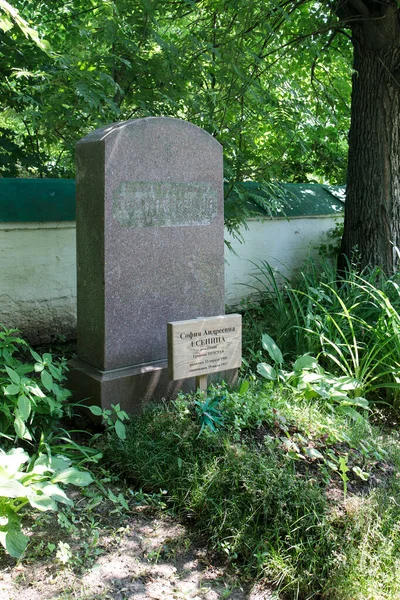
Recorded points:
(199,347)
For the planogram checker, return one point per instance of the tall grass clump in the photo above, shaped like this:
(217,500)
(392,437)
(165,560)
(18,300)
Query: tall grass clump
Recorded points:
(282,305)
(351,325)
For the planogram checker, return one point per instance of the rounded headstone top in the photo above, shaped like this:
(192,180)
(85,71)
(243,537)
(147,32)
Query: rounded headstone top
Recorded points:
(99,135)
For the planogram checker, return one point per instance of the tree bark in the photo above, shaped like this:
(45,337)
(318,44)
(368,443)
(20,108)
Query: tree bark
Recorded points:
(372,211)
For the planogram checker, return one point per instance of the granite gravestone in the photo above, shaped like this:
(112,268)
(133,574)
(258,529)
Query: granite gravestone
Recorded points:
(150,249)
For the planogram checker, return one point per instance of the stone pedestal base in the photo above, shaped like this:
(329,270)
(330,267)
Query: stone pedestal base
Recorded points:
(130,387)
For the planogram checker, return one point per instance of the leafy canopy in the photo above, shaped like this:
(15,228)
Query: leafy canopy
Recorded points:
(271,81)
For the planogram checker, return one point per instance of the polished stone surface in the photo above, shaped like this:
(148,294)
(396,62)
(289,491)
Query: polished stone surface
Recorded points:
(150,237)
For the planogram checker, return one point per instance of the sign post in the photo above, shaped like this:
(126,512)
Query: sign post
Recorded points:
(201,383)
(202,346)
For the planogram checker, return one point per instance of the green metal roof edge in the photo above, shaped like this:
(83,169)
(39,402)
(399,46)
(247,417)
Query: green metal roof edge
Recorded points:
(298,199)
(44,200)
(37,200)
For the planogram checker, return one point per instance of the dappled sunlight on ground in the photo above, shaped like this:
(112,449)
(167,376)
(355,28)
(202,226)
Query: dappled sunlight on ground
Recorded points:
(147,558)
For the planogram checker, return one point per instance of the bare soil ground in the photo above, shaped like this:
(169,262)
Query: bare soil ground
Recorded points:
(142,554)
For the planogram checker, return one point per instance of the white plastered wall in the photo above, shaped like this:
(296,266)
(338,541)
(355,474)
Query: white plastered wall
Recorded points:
(284,244)
(38,279)
(38,268)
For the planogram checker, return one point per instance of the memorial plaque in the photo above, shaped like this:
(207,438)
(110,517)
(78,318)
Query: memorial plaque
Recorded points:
(204,345)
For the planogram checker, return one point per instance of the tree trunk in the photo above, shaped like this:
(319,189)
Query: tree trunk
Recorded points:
(372,211)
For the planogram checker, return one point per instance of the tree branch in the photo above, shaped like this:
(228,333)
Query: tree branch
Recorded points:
(314,63)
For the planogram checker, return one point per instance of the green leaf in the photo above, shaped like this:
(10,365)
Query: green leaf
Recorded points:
(24,407)
(13,375)
(96,410)
(120,430)
(360,401)
(55,371)
(23,369)
(270,346)
(346,383)
(244,386)
(351,412)
(53,463)
(52,491)
(20,427)
(12,489)
(47,380)
(332,465)
(12,389)
(361,474)
(313,453)
(343,467)
(305,362)
(35,390)
(74,476)
(36,356)
(266,371)
(122,501)
(6,355)
(12,538)
(112,496)
(312,377)
(5,23)
(16,543)
(42,502)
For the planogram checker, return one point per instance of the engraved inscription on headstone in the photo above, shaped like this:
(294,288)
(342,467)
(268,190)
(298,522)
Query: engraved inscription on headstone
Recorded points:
(202,346)
(164,204)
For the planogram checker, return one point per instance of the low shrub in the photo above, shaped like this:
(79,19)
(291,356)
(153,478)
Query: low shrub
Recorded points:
(35,481)
(37,456)
(32,396)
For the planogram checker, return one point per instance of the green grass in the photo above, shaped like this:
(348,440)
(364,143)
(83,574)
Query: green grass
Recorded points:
(256,490)
(368,566)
